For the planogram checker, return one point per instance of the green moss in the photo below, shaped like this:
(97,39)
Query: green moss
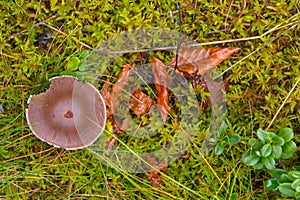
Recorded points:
(32,169)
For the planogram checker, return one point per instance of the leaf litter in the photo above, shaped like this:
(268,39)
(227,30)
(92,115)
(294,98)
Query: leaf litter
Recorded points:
(161,84)
(140,103)
(194,64)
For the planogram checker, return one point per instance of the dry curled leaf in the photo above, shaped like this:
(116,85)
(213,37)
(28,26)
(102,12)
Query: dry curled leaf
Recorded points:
(154,173)
(140,103)
(226,84)
(106,94)
(110,143)
(161,84)
(195,63)
(116,130)
(201,60)
(119,85)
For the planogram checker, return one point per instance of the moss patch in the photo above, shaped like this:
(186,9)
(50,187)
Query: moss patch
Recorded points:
(258,85)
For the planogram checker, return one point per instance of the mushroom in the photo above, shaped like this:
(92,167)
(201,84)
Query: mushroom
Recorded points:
(70,114)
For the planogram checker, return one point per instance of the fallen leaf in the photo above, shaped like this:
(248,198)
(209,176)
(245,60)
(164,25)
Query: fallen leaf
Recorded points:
(154,173)
(116,130)
(110,143)
(226,84)
(213,87)
(140,103)
(195,63)
(161,84)
(106,94)
(119,85)
(199,61)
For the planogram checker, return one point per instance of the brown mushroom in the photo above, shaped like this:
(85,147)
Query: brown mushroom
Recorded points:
(70,114)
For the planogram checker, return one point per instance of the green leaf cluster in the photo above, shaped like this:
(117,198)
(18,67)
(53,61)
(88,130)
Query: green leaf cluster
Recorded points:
(268,148)
(287,183)
(225,140)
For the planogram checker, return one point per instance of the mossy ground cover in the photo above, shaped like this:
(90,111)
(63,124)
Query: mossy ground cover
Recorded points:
(263,74)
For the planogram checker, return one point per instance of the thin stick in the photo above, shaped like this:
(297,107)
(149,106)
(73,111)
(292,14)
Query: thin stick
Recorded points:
(171,47)
(198,44)
(279,26)
(175,47)
(284,102)
(259,48)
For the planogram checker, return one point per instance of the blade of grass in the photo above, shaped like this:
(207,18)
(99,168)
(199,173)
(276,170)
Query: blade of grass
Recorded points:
(284,102)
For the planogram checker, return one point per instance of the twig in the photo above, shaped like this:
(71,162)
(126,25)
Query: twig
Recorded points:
(201,44)
(180,27)
(175,47)
(33,26)
(259,48)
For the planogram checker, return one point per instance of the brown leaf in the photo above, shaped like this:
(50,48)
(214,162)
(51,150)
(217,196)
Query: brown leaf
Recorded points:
(201,60)
(140,103)
(119,85)
(110,143)
(116,130)
(226,84)
(154,175)
(107,97)
(161,84)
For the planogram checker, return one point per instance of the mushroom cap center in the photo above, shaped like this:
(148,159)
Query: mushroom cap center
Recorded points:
(68,114)
(62,112)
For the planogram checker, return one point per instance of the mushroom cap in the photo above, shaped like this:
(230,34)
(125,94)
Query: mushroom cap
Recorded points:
(70,114)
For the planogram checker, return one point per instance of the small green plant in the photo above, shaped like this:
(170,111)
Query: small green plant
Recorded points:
(225,140)
(268,148)
(288,183)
